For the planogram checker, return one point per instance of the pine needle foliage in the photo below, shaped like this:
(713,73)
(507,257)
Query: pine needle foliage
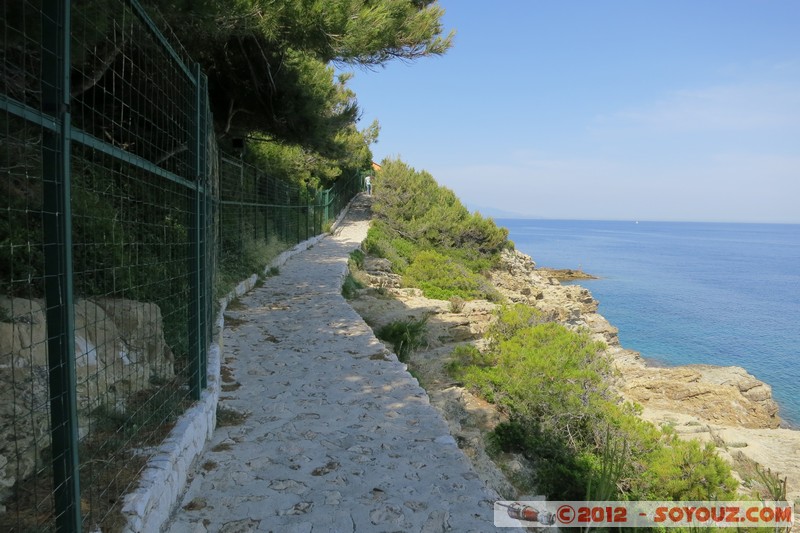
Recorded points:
(430,237)
(553,384)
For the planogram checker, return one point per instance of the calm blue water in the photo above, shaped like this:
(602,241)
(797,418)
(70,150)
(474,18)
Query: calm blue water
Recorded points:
(679,292)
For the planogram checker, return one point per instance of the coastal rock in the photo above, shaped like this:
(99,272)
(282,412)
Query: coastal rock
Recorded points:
(724,405)
(565,274)
(373,265)
(518,280)
(119,346)
(735,376)
(378,273)
(725,395)
(443,325)
(687,389)
(140,327)
(776,449)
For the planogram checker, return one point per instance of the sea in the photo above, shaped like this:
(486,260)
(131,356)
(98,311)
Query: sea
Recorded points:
(687,292)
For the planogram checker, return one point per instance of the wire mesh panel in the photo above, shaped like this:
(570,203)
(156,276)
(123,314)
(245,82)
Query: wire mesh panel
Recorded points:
(134,206)
(132,265)
(258,217)
(119,266)
(24,377)
(25,427)
(120,219)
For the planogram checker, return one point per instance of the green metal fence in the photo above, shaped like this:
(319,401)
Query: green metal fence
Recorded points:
(119,221)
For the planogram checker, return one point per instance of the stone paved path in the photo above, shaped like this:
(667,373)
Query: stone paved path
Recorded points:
(338,437)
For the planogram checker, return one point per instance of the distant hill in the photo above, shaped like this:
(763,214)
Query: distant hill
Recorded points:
(497,213)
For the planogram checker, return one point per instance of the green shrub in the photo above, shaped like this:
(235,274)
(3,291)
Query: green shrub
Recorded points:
(457,304)
(380,244)
(357,259)
(685,470)
(553,384)
(350,287)
(513,318)
(548,372)
(432,216)
(558,470)
(465,355)
(404,335)
(613,458)
(442,277)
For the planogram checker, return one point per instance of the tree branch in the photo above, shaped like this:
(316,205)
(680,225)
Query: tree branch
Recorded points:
(175,151)
(98,74)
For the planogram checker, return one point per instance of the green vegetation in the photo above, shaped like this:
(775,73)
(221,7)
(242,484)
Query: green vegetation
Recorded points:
(430,237)
(271,81)
(404,335)
(350,286)
(356,259)
(255,253)
(457,304)
(271,78)
(580,439)
(443,277)
(775,486)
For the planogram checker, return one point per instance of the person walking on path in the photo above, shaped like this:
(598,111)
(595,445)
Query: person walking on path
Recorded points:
(368,185)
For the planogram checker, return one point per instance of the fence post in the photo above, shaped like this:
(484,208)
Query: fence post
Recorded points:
(241,206)
(206,287)
(196,308)
(297,218)
(254,199)
(57,219)
(325,203)
(317,214)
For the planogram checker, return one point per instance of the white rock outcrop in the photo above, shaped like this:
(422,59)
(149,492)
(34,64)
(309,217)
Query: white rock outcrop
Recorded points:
(119,349)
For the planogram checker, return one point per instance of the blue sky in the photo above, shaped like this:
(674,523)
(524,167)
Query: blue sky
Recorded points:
(604,109)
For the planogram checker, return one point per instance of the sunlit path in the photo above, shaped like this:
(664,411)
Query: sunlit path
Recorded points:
(338,436)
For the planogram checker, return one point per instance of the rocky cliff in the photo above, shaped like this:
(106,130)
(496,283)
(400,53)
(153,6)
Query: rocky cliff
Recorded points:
(119,350)
(719,395)
(725,405)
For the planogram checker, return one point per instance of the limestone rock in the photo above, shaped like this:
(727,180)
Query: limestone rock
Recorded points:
(709,396)
(24,335)
(119,346)
(376,264)
(141,327)
(24,423)
(714,394)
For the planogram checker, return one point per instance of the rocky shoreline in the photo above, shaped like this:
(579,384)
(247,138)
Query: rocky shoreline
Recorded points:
(725,405)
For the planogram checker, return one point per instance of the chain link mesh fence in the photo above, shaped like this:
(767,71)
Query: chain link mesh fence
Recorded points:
(121,222)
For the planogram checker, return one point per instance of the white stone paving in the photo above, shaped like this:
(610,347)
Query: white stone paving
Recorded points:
(338,436)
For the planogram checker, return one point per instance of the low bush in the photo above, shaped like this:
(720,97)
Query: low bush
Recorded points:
(431,216)
(405,336)
(457,304)
(397,250)
(356,259)
(443,277)
(466,355)
(553,384)
(350,287)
